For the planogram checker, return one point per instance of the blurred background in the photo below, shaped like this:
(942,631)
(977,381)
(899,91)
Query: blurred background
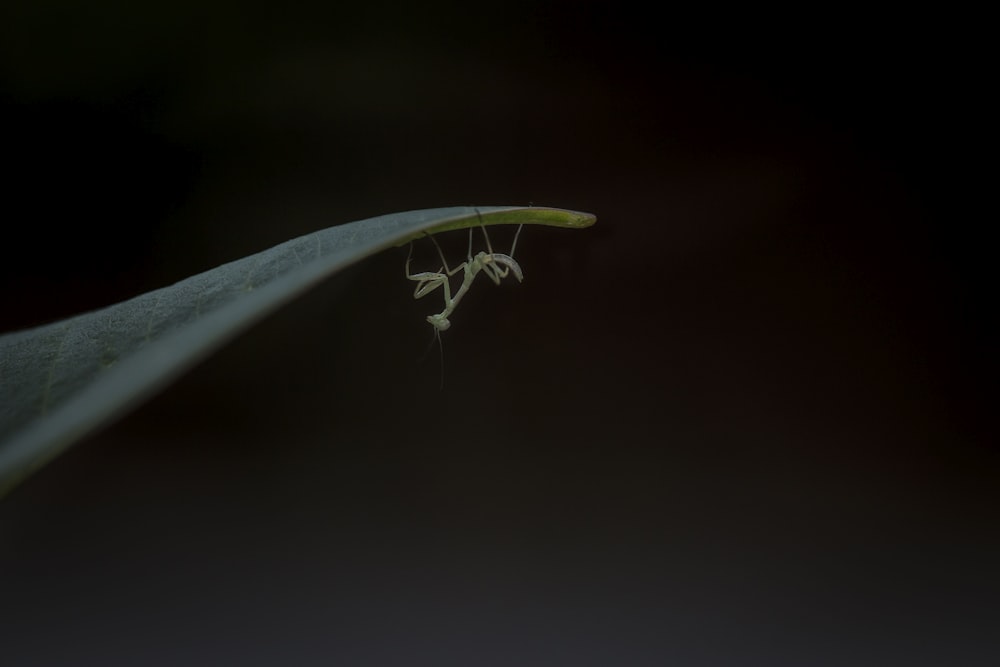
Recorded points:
(740,421)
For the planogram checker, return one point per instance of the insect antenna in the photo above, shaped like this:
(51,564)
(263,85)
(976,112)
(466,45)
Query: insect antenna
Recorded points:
(437,334)
(435,338)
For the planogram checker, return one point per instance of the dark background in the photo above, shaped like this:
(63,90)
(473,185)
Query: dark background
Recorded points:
(741,421)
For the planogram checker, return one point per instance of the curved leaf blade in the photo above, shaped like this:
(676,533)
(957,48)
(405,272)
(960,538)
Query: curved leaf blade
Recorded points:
(61,381)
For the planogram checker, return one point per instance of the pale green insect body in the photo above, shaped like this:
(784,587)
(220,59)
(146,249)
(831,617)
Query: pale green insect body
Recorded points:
(495,265)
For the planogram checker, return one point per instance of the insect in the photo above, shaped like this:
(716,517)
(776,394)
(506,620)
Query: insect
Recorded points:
(495,265)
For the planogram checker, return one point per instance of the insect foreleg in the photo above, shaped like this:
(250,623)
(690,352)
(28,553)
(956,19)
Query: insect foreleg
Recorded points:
(427,281)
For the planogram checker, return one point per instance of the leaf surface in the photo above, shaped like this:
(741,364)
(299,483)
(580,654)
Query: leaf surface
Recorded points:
(61,381)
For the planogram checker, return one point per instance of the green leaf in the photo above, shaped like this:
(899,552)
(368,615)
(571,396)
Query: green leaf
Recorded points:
(61,381)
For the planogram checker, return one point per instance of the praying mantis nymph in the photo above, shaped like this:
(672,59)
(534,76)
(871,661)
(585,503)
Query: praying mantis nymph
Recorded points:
(494,264)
